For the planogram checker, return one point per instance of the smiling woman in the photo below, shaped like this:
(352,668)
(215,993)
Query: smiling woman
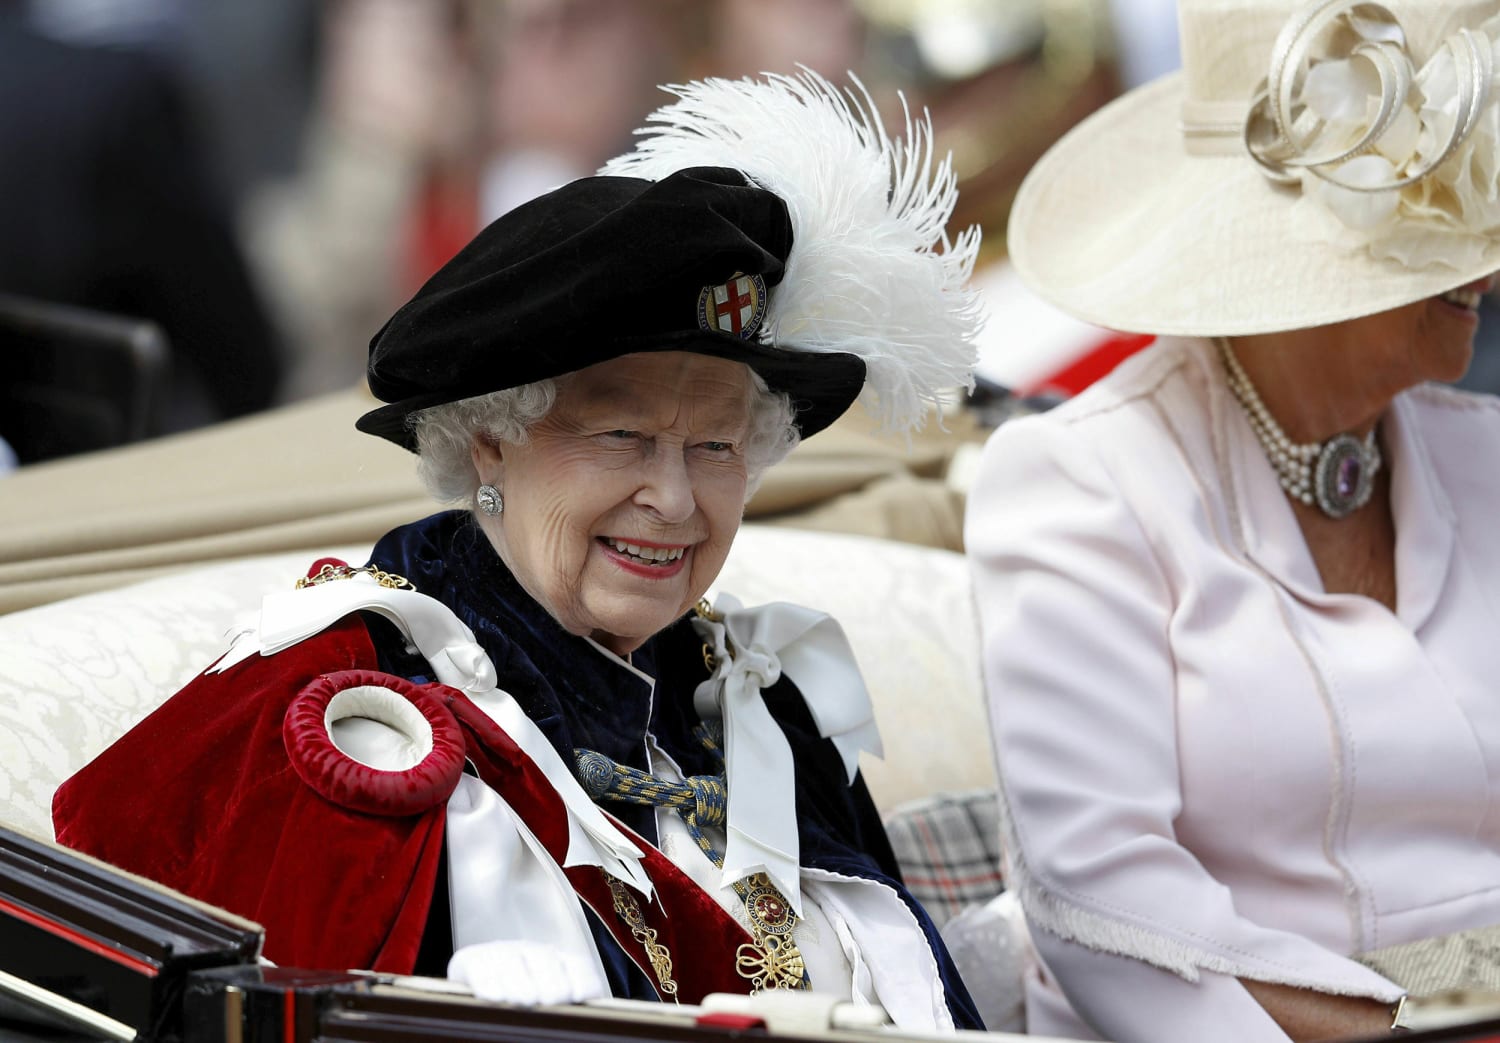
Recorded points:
(663,796)
(621,504)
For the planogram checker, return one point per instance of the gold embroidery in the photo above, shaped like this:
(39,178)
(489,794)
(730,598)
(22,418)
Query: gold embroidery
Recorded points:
(772,960)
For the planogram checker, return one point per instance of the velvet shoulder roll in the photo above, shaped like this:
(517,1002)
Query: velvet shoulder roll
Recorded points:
(374,742)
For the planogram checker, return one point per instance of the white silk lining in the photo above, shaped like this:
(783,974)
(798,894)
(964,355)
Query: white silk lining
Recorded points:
(502,883)
(378,727)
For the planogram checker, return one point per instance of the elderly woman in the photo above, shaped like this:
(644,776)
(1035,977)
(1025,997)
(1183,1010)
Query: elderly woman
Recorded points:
(1237,599)
(661,797)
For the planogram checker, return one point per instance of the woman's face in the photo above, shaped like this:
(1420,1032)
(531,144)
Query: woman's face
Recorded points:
(1431,339)
(1341,377)
(620,509)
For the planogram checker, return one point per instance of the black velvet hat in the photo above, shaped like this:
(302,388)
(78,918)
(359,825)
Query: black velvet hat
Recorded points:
(604,267)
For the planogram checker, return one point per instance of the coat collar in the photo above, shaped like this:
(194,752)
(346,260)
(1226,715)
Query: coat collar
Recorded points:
(1264,525)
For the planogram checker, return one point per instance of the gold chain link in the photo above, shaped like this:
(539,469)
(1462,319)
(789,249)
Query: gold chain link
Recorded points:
(332,572)
(629,911)
(706,611)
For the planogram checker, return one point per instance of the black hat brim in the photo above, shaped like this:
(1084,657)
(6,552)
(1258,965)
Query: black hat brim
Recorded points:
(821,385)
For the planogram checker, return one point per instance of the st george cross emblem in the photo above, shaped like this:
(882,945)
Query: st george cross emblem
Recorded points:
(735,307)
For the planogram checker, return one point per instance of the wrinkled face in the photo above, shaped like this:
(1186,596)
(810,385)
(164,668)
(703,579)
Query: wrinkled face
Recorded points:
(620,509)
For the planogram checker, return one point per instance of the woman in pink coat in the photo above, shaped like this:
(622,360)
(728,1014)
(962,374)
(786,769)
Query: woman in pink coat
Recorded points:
(1239,601)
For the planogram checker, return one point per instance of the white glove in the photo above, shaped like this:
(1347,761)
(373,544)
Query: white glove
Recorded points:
(525,973)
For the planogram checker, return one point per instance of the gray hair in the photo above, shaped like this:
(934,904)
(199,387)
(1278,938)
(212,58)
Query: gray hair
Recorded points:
(445,434)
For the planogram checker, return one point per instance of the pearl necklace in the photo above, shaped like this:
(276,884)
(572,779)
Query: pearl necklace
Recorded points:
(1336,476)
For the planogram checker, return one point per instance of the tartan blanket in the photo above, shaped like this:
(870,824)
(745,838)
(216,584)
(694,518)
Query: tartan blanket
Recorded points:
(948,847)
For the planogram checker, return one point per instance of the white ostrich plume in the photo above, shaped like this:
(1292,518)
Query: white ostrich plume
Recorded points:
(872,270)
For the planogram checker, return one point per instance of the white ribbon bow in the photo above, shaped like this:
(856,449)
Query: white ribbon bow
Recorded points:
(753,648)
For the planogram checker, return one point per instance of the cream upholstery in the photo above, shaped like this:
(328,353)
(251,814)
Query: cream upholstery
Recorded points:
(75,674)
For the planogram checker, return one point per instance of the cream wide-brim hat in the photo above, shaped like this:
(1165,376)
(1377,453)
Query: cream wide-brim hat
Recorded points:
(1151,217)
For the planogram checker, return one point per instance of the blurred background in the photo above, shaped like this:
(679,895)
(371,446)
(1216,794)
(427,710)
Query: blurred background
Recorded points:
(207,207)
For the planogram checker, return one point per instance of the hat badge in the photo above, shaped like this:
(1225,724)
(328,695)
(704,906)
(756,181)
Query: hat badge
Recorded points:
(735,307)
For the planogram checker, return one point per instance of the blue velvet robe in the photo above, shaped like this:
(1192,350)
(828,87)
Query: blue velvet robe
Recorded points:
(578,698)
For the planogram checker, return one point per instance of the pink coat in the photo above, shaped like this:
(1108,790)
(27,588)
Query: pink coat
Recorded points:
(1208,765)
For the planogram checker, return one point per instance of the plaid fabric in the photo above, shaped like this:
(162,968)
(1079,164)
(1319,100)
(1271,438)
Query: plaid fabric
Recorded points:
(948,847)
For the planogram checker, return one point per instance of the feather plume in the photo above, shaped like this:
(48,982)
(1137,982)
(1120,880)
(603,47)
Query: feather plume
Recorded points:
(872,270)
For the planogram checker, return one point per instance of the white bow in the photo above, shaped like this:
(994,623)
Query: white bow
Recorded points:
(753,648)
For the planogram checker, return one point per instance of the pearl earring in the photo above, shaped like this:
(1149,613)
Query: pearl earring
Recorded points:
(489,499)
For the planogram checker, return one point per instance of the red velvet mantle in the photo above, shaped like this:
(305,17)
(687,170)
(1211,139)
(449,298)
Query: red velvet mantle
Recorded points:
(202,796)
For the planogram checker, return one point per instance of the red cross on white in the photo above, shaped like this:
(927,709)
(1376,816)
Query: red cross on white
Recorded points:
(734,301)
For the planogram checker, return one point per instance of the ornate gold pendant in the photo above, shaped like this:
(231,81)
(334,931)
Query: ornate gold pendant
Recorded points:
(769,912)
(773,961)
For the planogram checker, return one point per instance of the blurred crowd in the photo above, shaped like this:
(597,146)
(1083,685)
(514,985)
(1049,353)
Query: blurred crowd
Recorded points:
(431,119)
(266,182)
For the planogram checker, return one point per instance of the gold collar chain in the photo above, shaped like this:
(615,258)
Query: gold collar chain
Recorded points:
(332,572)
(771,961)
(629,912)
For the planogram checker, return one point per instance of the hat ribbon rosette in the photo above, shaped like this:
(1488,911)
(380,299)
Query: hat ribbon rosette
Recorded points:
(1406,159)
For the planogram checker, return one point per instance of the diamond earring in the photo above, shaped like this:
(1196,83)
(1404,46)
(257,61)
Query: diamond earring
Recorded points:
(489,499)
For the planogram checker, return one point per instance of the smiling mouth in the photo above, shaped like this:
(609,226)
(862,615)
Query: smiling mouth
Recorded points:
(1463,298)
(644,555)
